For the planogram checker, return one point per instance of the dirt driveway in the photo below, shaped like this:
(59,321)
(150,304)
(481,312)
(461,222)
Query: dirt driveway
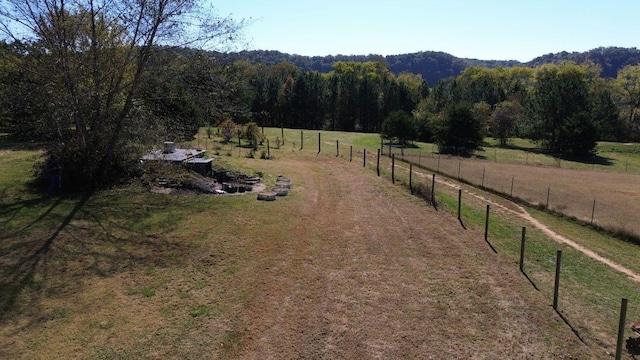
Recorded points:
(370,272)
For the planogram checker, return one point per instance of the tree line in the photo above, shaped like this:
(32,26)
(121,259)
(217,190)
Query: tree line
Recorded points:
(100,89)
(434,66)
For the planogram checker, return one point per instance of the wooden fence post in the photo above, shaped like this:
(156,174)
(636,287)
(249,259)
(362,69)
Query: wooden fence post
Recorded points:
(393,168)
(378,163)
(623,320)
(364,158)
(301,139)
(593,210)
(556,287)
(433,190)
(459,204)
(318,143)
(337,148)
(410,175)
(512,180)
(548,193)
(486,225)
(524,234)
(350,153)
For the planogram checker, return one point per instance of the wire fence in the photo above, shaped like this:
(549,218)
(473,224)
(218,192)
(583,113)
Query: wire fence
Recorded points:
(604,199)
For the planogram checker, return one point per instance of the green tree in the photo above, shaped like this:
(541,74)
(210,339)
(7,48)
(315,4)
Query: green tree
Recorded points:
(559,109)
(253,134)
(627,85)
(458,131)
(91,56)
(398,126)
(228,129)
(504,120)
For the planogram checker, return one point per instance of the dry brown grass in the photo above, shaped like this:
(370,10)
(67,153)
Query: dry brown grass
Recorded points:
(571,191)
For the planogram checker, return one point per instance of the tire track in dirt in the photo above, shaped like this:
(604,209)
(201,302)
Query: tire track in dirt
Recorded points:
(523,214)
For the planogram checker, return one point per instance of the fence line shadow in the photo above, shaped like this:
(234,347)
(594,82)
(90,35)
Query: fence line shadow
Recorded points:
(530,280)
(566,321)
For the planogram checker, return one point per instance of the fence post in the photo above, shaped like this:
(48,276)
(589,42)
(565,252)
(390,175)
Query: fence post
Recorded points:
(393,168)
(318,143)
(524,235)
(364,157)
(623,319)
(301,139)
(378,163)
(459,204)
(433,190)
(557,282)
(350,153)
(512,179)
(410,176)
(282,133)
(548,193)
(486,225)
(337,148)
(593,210)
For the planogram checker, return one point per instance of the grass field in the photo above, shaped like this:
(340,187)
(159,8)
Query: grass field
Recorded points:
(346,266)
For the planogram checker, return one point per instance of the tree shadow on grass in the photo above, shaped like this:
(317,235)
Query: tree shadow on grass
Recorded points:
(39,260)
(583,159)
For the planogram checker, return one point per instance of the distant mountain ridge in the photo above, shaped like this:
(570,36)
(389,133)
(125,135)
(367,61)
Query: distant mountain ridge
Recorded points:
(435,66)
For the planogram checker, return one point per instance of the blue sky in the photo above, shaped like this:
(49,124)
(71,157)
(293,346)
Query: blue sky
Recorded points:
(488,30)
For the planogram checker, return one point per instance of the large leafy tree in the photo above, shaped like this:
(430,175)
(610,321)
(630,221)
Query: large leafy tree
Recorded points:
(458,131)
(560,109)
(399,126)
(504,120)
(628,88)
(90,56)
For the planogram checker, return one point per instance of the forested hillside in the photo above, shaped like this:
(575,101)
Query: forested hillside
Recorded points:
(434,66)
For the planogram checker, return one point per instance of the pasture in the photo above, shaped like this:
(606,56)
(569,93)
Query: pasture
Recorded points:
(346,266)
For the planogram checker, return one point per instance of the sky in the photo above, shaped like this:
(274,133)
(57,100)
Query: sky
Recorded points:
(487,30)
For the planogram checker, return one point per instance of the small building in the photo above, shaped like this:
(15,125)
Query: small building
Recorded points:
(202,166)
(193,158)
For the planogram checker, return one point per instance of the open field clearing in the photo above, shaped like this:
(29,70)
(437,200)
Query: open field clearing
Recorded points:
(346,266)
